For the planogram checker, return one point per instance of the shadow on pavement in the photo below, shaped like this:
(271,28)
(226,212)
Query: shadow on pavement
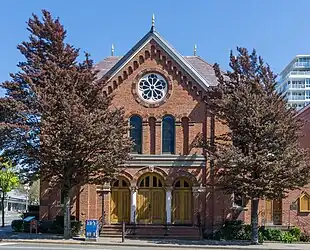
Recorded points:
(198,242)
(6,233)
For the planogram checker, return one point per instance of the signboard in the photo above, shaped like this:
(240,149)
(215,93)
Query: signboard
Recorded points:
(293,206)
(92,229)
(29,218)
(34,225)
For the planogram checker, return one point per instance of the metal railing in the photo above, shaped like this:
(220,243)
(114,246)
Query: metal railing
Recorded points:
(302,64)
(297,86)
(297,97)
(299,72)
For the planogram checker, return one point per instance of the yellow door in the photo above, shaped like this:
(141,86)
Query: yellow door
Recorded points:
(120,201)
(158,206)
(151,200)
(268,211)
(273,212)
(182,202)
(144,206)
(277,212)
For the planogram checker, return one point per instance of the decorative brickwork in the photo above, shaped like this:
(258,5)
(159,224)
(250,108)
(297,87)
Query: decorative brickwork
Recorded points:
(184,100)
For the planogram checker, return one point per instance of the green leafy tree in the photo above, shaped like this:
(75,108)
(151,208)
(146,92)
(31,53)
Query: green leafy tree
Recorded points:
(8,181)
(57,120)
(33,192)
(259,157)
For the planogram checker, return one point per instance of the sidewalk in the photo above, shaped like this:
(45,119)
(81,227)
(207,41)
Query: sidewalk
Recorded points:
(160,243)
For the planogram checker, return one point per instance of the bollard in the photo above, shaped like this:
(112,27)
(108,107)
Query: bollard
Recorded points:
(123,231)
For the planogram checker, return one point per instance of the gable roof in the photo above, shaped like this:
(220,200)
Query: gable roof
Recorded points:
(197,68)
(204,68)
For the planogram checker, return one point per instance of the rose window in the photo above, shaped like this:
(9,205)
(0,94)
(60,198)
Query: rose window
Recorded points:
(152,88)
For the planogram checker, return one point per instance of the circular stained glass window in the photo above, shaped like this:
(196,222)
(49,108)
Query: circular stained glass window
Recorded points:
(152,88)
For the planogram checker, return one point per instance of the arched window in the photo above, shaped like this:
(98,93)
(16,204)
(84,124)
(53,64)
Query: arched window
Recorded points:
(136,133)
(168,134)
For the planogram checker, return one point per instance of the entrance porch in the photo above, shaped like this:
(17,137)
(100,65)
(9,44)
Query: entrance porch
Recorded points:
(152,202)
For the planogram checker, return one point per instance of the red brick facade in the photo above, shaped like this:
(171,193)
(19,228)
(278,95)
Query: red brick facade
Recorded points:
(185,102)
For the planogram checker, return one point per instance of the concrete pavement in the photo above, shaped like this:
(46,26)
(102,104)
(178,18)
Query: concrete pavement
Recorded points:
(50,246)
(144,244)
(8,246)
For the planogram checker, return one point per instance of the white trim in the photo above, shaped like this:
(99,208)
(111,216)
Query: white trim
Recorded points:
(173,53)
(168,206)
(180,59)
(130,58)
(133,205)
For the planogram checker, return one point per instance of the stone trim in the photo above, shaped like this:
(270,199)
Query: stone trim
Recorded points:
(103,188)
(133,188)
(168,188)
(137,79)
(167,160)
(175,175)
(196,189)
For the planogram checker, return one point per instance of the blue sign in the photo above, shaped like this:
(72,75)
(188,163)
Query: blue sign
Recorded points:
(92,229)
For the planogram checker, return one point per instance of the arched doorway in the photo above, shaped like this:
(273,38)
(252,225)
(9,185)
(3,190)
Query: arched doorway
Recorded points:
(151,199)
(120,201)
(182,202)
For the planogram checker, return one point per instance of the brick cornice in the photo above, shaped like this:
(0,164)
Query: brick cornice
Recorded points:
(170,70)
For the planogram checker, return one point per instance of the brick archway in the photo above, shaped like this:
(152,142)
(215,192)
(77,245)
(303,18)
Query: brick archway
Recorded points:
(126,175)
(149,169)
(174,175)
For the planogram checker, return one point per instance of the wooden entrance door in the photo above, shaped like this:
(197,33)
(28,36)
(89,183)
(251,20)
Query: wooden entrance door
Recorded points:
(182,202)
(277,212)
(151,200)
(120,201)
(273,212)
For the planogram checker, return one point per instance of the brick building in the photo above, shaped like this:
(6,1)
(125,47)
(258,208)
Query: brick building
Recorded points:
(294,210)
(168,181)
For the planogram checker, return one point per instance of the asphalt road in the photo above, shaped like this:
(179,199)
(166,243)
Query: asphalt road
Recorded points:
(17,246)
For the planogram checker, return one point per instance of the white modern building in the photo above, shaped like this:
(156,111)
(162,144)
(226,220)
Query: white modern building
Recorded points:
(14,202)
(295,82)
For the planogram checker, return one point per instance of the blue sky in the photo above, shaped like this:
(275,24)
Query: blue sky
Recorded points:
(278,29)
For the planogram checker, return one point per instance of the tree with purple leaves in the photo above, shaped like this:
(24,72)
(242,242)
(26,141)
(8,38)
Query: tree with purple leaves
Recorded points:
(57,122)
(259,157)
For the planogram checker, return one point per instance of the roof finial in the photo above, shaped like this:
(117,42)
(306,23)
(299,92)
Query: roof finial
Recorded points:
(195,50)
(112,50)
(153,22)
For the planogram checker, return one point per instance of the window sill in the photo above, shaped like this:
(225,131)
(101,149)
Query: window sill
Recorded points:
(240,208)
(62,205)
(304,211)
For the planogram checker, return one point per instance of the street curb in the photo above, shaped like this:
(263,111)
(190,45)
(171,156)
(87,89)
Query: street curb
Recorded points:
(57,242)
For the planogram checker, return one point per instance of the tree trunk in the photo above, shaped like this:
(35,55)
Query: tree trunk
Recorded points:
(254,220)
(2,205)
(67,216)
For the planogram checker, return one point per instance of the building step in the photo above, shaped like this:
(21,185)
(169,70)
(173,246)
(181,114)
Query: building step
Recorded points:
(152,231)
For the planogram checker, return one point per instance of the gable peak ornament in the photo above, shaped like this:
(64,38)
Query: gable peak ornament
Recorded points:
(112,50)
(195,49)
(153,23)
